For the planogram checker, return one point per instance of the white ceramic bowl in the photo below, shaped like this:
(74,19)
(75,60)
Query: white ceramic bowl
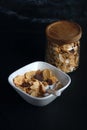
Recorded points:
(63,77)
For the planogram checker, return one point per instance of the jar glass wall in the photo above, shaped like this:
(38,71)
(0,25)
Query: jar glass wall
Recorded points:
(64,55)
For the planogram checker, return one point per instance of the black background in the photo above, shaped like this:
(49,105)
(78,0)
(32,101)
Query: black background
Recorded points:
(22,41)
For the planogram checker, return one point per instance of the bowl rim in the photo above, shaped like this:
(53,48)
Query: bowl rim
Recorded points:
(37,98)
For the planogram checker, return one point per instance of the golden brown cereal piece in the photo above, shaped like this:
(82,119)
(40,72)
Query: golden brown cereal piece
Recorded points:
(54,79)
(29,75)
(44,83)
(28,89)
(35,85)
(34,93)
(35,89)
(18,80)
(46,74)
(42,88)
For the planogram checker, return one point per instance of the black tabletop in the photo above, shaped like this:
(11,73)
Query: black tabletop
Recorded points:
(23,42)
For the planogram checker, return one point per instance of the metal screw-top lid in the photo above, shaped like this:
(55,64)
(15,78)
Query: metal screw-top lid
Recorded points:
(63,32)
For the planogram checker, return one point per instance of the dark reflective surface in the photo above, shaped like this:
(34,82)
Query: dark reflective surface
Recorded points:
(23,41)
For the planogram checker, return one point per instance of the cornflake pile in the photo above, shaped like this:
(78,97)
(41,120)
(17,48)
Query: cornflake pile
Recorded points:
(35,82)
(65,57)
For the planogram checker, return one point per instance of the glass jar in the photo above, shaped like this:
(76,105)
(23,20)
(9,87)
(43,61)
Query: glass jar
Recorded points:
(63,45)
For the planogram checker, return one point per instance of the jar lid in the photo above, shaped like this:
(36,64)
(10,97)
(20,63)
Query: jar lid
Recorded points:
(64,32)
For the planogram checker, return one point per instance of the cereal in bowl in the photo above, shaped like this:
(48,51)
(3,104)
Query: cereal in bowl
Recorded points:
(35,82)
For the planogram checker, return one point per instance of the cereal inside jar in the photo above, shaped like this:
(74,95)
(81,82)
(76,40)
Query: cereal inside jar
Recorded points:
(63,45)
